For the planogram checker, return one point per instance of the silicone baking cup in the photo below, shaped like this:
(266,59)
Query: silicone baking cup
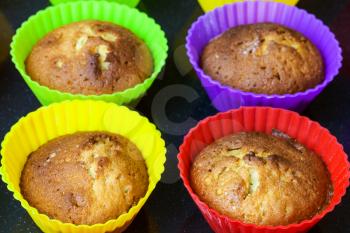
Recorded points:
(264,119)
(44,21)
(68,117)
(221,19)
(131,3)
(208,5)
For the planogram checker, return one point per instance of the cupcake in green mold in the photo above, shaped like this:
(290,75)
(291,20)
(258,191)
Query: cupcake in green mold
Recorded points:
(89,50)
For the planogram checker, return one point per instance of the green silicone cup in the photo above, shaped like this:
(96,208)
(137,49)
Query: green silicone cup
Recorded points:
(38,25)
(131,3)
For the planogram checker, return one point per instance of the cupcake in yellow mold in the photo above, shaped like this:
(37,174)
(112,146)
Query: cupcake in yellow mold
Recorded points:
(208,5)
(68,117)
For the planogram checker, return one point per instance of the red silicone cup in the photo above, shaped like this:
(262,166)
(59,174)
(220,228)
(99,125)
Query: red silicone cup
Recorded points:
(264,119)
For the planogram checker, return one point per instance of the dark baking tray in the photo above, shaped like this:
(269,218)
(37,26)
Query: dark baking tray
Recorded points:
(175,103)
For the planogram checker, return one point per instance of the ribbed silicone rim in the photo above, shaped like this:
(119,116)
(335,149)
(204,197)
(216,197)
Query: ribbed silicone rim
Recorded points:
(131,3)
(208,5)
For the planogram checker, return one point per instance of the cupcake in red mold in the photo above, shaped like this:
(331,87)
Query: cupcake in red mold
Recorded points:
(264,119)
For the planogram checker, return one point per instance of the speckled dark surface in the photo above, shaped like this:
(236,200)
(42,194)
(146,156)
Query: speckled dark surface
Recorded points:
(170,209)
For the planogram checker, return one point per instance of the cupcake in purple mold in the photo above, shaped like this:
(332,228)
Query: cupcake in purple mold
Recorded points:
(287,58)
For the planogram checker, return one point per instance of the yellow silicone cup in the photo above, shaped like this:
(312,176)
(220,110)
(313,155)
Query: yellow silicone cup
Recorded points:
(208,5)
(68,117)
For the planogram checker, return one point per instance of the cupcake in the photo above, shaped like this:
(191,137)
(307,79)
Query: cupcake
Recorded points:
(263,58)
(85,177)
(111,57)
(242,60)
(263,170)
(261,179)
(83,166)
(104,58)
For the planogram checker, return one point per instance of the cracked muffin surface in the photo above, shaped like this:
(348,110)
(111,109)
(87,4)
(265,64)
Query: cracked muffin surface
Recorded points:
(85,178)
(90,57)
(261,179)
(263,58)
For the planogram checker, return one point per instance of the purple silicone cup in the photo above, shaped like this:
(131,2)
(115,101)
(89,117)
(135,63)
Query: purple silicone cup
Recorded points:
(219,20)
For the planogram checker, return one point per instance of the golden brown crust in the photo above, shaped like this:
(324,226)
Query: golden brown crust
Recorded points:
(261,179)
(85,178)
(90,57)
(263,58)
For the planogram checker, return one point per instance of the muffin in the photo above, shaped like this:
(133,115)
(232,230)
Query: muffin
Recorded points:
(263,58)
(91,58)
(85,178)
(261,179)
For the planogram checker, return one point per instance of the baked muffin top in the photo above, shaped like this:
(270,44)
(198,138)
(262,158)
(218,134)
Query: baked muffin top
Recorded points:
(261,179)
(85,178)
(263,58)
(90,57)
